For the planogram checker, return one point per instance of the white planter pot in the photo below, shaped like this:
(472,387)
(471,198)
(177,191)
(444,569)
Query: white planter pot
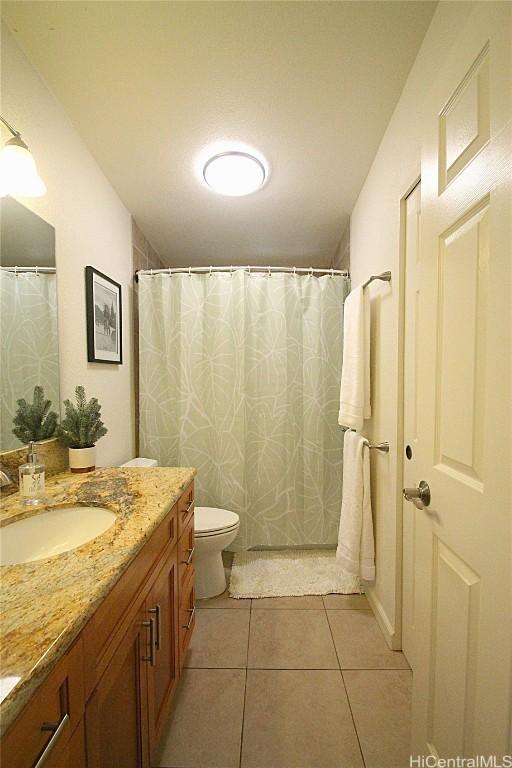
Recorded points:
(82,459)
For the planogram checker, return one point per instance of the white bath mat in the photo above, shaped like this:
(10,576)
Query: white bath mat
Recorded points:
(290,573)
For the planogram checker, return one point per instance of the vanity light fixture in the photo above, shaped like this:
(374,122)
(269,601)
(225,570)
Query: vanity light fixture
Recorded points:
(234,173)
(18,172)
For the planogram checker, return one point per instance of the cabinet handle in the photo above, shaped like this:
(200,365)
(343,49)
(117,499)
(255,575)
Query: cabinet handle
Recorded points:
(189,507)
(156,611)
(189,558)
(57,730)
(151,657)
(192,612)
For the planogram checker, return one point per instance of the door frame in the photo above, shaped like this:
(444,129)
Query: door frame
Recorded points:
(400,442)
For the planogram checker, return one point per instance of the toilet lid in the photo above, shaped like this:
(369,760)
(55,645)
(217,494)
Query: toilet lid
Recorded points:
(211,519)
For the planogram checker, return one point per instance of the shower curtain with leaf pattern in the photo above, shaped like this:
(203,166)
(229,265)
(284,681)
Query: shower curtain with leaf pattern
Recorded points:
(29,344)
(239,377)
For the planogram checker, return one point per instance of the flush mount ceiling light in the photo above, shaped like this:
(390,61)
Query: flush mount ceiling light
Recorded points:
(18,172)
(234,173)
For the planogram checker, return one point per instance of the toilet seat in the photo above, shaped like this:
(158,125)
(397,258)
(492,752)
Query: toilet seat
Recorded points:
(211,521)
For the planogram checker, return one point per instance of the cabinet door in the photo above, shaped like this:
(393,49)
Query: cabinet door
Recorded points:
(73,753)
(185,508)
(186,619)
(116,714)
(185,556)
(42,732)
(163,671)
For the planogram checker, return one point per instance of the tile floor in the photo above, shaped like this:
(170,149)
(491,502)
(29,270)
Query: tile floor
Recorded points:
(304,682)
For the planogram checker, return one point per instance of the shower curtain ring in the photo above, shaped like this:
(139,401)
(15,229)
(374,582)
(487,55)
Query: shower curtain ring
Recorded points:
(210,272)
(311,271)
(295,272)
(231,271)
(37,271)
(332,272)
(268,273)
(190,271)
(169,271)
(15,271)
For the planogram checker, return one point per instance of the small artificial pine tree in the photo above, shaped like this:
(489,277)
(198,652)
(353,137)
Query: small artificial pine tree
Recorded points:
(35,421)
(81,426)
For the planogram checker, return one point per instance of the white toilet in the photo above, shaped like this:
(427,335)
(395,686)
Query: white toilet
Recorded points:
(214,530)
(139,462)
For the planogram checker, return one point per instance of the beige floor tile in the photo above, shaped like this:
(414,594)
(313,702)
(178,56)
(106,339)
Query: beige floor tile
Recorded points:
(360,643)
(381,706)
(205,726)
(304,602)
(290,640)
(334,602)
(298,719)
(224,601)
(220,639)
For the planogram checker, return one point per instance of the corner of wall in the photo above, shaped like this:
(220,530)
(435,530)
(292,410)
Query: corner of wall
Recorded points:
(144,256)
(341,258)
(390,635)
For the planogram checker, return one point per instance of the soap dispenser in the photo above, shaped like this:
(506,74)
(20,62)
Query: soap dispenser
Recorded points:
(32,478)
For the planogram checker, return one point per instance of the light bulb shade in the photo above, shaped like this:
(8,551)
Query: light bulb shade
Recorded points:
(234,173)
(18,172)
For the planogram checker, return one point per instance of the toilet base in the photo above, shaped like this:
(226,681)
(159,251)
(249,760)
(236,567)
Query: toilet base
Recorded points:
(210,579)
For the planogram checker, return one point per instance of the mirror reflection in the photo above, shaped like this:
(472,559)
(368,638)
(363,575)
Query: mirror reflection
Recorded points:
(29,355)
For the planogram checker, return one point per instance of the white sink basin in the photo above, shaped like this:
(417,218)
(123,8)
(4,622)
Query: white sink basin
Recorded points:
(50,533)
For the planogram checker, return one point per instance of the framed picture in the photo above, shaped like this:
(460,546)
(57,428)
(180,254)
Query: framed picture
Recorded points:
(104,318)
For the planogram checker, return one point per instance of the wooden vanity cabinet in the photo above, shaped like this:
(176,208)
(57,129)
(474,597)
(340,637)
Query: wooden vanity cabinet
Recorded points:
(117,682)
(185,509)
(73,751)
(47,725)
(186,574)
(163,668)
(116,714)
(132,699)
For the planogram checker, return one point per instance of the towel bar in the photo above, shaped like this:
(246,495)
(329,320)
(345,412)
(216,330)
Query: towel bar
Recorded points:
(384,447)
(384,276)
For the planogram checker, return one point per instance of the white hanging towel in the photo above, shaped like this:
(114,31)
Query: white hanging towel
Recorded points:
(355,374)
(356,550)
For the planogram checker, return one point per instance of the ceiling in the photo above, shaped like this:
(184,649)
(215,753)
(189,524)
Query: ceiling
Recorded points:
(150,85)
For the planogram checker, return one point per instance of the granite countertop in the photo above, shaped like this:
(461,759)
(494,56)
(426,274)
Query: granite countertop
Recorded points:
(44,604)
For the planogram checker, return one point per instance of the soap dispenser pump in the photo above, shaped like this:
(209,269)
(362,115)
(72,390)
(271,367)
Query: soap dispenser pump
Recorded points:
(32,478)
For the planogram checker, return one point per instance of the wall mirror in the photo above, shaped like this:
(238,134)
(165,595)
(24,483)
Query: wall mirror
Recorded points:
(29,351)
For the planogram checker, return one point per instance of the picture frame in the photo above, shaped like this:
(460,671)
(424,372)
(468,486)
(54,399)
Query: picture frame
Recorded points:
(104,318)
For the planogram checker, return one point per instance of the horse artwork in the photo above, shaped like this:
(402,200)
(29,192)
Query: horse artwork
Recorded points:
(104,341)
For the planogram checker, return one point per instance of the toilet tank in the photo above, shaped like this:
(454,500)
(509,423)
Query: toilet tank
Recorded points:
(140,462)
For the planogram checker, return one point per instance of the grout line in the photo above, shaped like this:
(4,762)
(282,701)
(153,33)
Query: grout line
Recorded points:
(245,687)
(346,693)
(353,718)
(311,669)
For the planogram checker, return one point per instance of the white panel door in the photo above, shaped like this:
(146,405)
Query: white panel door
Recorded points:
(462,645)
(412,218)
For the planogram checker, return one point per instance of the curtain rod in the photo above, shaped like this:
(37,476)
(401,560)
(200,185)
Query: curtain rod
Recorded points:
(209,270)
(37,270)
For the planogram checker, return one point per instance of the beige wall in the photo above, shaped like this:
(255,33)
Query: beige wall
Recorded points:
(92,227)
(375,247)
